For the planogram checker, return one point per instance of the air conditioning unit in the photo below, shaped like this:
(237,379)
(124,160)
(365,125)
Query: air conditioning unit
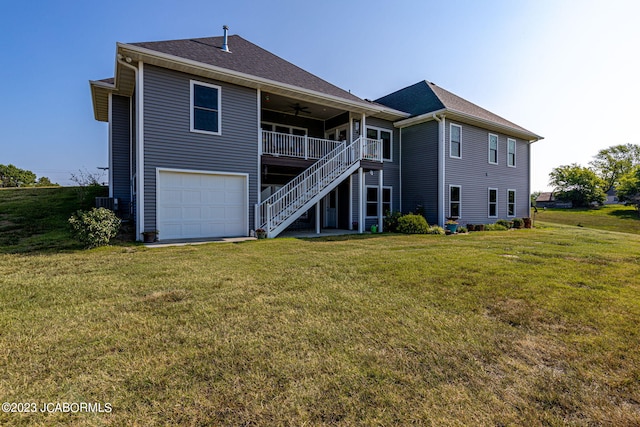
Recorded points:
(107,202)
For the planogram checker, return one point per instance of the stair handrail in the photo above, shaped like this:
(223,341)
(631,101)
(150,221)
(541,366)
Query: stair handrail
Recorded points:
(293,195)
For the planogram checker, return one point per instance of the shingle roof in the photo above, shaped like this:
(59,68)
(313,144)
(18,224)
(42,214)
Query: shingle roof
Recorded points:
(426,97)
(248,58)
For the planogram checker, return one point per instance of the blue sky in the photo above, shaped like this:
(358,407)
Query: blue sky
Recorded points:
(565,69)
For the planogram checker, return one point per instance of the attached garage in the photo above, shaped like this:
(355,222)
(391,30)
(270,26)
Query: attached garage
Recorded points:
(201,204)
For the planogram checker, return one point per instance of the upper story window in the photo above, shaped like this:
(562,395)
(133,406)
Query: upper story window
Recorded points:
(511,152)
(292,130)
(205,108)
(455,201)
(493,202)
(493,149)
(385,136)
(455,141)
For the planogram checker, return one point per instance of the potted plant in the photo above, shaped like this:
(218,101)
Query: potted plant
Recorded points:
(149,236)
(451,225)
(261,233)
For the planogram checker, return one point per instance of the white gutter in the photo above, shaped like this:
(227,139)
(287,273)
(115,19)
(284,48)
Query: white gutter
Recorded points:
(469,118)
(260,82)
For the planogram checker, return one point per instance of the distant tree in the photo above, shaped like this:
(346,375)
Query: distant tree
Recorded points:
(577,184)
(614,162)
(534,197)
(629,188)
(43,181)
(11,176)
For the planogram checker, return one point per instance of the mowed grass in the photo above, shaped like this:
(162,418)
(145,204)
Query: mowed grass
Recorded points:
(35,219)
(620,218)
(526,327)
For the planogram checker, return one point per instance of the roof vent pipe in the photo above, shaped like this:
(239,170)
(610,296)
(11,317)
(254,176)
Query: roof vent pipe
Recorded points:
(225,44)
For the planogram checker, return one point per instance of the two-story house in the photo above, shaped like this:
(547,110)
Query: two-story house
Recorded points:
(215,137)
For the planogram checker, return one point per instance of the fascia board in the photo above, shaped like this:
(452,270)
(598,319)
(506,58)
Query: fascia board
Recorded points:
(453,114)
(249,80)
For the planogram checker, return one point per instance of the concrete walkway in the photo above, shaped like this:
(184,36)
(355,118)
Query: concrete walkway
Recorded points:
(296,234)
(187,242)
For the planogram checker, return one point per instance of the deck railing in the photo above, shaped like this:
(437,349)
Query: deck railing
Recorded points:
(291,198)
(299,146)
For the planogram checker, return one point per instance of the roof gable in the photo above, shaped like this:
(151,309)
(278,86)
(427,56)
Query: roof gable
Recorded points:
(426,97)
(248,58)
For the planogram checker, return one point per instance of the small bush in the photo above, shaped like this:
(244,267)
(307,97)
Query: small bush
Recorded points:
(413,224)
(462,230)
(503,222)
(436,229)
(95,227)
(518,223)
(495,227)
(391,221)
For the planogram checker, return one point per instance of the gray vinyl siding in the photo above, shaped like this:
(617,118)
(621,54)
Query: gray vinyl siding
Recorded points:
(391,174)
(168,142)
(420,169)
(476,175)
(120,148)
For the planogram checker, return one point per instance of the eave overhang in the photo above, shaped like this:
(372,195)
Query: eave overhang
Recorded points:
(124,83)
(472,120)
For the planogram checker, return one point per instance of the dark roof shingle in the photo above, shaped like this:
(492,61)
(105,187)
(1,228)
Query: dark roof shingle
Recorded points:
(426,97)
(247,58)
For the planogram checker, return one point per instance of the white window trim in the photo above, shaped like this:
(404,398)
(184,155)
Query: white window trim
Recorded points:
(515,198)
(489,148)
(378,129)
(451,126)
(489,202)
(191,108)
(384,187)
(459,201)
(515,144)
(306,131)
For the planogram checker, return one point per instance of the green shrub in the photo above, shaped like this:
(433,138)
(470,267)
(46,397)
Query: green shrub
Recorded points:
(462,230)
(391,221)
(95,227)
(413,224)
(505,223)
(495,227)
(436,229)
(518,222)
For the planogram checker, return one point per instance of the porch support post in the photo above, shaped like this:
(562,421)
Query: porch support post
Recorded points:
(360,200)
(350,224)
(318,217)
(380,192)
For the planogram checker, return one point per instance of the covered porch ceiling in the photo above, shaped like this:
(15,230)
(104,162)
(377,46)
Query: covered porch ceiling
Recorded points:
(298,106)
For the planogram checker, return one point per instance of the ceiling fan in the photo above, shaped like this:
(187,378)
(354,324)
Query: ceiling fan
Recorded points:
(299,109)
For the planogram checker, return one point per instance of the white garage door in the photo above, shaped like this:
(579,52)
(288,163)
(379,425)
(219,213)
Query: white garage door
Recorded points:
(192,205)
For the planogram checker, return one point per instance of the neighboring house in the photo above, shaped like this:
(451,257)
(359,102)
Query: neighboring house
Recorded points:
(548,200)
(216,137)
(612,197)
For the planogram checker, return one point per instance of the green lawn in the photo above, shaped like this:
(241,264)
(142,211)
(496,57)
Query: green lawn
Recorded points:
(523,327)
(526,327)
(35,219)
(611,217)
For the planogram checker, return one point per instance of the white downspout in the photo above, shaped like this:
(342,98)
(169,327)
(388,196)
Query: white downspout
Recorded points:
(441,167)
(139,155)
